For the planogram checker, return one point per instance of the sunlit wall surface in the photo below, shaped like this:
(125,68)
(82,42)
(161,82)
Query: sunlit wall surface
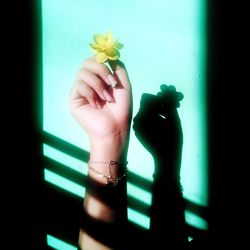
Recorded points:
(164,43)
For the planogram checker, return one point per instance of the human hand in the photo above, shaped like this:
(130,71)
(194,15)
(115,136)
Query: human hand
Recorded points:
(104,112)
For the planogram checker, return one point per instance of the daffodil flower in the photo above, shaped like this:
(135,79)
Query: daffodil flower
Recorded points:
(105,48)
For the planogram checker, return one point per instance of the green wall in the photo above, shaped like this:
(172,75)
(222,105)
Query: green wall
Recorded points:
(164,42)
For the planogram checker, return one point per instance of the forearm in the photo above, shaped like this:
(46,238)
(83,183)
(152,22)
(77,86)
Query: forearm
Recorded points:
(105,198)
(107,166)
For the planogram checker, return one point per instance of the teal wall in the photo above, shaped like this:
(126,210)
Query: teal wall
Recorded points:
(164,42)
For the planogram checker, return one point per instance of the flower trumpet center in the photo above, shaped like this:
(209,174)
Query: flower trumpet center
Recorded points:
(105,48)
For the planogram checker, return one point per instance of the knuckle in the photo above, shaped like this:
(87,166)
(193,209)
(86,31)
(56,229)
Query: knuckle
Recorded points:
(98,84)
(80,74)
(91,94)
(103,69)
(86,62)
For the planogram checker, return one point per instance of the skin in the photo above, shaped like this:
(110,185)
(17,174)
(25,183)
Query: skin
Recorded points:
(104,113)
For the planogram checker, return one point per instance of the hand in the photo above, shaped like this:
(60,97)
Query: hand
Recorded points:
(103,111)
(157,124)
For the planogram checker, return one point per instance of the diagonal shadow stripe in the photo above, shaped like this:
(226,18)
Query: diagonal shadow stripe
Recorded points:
(133,178)
(83,155)
(65,172)
(65,146)
(197,209)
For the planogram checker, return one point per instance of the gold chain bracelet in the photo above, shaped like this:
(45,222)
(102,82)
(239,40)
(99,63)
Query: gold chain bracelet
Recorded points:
(110,180)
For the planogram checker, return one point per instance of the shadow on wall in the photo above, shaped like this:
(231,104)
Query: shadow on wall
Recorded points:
(158,127)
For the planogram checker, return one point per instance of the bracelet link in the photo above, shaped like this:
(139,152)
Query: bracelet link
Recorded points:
(110,180)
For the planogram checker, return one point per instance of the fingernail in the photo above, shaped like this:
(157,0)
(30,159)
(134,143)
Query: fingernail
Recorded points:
(112,80)
(108,96)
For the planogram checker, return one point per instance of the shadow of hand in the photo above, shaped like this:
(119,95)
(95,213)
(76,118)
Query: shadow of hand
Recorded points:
(158,127)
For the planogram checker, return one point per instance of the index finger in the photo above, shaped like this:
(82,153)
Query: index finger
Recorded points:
(101,70)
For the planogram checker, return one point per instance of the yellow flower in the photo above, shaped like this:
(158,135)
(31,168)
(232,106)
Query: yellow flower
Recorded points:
(105,48)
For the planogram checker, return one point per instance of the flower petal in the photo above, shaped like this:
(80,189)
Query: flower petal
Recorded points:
(95,47)
(101,57)
(103,41)
(117,45)
(99,39)
(108,37)
(111,52)
(113,58)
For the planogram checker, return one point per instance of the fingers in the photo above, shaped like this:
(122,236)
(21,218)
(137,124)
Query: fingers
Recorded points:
(101,70)
(93,83)
(83,94)
(118,77)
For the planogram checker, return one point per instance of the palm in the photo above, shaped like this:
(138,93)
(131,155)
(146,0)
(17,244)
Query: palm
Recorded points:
(107,120)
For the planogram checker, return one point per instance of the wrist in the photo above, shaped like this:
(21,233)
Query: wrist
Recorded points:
(113,147)
(107,163)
